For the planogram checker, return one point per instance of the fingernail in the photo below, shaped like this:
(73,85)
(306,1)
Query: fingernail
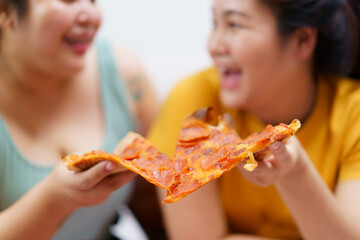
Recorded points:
(110,166)
(275,146)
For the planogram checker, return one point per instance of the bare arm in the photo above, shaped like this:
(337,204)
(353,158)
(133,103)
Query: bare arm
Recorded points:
(34,216)
(319,213)
(143,101)
(144,106)
(43,209)
(197,216)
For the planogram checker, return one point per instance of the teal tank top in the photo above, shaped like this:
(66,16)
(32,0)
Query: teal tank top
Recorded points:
(18,175)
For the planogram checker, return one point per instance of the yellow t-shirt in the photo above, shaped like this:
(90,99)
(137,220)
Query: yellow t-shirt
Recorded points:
(331,137)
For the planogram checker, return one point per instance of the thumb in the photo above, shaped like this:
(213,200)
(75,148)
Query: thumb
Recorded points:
(95,174)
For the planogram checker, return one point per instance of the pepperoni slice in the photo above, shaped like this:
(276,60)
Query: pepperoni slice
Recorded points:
(131,152)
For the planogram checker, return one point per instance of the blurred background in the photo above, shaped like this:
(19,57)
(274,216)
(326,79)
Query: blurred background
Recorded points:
(169,36)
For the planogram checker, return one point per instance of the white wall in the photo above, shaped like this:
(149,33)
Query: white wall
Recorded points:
(169,36)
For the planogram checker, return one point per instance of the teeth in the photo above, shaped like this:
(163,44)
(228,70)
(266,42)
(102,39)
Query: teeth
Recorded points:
(227,70)
(77,40)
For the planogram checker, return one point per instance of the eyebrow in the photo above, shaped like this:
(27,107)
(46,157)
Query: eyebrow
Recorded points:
(235,12)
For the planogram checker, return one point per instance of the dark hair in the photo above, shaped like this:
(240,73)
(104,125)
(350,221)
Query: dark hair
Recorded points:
(20,6)
(337,21)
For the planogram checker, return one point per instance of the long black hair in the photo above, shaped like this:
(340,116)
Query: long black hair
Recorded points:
(337,50)
(20,6)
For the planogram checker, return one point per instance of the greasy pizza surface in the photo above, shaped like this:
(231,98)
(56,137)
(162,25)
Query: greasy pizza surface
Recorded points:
(136,154)
(203,152)
(206,152)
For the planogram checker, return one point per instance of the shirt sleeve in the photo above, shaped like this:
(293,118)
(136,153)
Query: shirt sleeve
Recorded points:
(349,168)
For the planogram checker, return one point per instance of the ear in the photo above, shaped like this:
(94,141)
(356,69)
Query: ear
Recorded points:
(304,42)
(6,16)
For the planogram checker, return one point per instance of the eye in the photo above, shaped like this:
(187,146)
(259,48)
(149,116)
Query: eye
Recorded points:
(68,1)
(235,25)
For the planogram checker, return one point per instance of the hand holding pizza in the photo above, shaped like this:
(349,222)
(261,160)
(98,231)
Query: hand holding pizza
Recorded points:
(89,187)
(284,160)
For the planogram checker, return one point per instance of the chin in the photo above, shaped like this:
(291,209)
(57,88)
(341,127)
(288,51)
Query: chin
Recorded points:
(67,71)
(74,65)
(232,100)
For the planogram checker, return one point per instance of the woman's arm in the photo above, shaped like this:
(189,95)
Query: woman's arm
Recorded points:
(144,107)
(197,216)
(143,102)
(44,208)
(319,213)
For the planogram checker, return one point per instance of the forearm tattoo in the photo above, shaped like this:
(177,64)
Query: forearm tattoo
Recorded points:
(136,87)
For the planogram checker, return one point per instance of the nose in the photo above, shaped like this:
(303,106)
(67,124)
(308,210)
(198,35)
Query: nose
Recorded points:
(89,13)
(217,43)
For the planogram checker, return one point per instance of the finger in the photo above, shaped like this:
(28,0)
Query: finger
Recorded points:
(95,174)
(116,181)
(119,168)
(229,120)
(280,153)
(203,114)
(258,176)
(260,156)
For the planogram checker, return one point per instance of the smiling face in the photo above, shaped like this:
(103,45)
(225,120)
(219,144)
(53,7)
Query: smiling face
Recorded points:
(254,62)
(53,36)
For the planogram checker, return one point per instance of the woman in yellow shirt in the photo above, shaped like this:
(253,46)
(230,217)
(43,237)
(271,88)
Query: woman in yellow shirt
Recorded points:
(276,61)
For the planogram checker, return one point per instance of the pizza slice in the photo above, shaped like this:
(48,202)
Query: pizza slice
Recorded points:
(206,152)
(203,152)
(135,153)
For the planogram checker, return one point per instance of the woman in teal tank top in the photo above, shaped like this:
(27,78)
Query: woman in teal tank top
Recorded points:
(59,94)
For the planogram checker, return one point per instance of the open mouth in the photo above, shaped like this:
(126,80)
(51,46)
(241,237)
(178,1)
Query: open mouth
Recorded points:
(78,44)
(230,78)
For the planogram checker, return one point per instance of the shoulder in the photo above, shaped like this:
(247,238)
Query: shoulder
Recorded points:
(142,100)
(346,112)
(345,123)
(194,92)
(128,62)
(347,95)
(207,78)
(190,94)
(198,90)
(348,88)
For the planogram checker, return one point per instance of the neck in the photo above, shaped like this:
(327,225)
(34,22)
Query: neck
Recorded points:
(33,87)
(296,100)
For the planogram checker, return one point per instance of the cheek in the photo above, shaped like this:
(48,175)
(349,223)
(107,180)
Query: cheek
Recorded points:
(261,58)
(261,61)
(51,23)
(97,17)
(211,45)
(255,49)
